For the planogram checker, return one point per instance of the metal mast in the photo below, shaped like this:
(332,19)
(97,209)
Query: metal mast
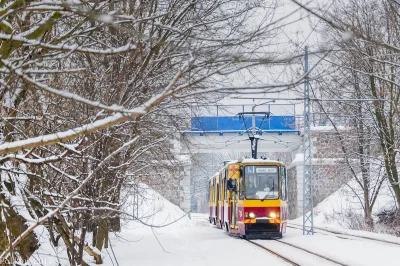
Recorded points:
(308,213)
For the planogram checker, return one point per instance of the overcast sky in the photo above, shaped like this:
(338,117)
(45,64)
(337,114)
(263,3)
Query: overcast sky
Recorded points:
(302,29)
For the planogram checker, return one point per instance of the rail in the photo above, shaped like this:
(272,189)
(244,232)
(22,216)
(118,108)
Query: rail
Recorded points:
(290,260)
(342,234)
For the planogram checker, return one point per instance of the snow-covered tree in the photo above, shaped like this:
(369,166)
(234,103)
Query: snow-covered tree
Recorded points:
(91,90)
(363,61)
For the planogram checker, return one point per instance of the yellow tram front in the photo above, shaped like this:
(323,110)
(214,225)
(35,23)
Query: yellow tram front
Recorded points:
(259,198)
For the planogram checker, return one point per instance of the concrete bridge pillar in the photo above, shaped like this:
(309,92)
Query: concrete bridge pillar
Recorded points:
(295,185)
(184,183)
(184,175)
(329,170)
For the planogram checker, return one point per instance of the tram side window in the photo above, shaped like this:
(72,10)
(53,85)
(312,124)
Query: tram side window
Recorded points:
(241,189)
(213,191)
(210,192)
(216,192)
(222,193)
(221,189)
(283,183)
(226,190)
(221,185)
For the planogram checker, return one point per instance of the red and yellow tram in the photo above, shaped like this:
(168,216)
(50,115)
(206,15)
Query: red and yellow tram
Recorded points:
(248,198)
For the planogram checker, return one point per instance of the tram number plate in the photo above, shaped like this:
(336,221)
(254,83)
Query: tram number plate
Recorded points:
(266,170)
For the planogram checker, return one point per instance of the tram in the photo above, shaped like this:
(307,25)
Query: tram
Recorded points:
(248,198)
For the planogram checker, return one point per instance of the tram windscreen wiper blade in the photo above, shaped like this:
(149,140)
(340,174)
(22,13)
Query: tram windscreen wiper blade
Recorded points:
(266,195)
(273,186)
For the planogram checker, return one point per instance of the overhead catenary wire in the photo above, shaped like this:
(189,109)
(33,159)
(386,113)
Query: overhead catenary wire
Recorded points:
(313,99)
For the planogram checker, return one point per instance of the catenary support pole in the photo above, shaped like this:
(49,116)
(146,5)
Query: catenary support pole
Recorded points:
(308,214)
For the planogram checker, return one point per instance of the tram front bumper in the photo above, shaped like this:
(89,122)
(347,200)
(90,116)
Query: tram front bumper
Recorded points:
(262,230)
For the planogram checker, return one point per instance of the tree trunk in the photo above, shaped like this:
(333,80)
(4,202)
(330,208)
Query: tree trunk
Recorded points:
(15,224)
(102,234)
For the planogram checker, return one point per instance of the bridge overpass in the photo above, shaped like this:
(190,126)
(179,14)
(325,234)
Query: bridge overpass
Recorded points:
(222,130)
(219,129)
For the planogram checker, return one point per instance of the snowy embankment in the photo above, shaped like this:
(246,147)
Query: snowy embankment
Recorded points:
(343,212)
(151,209)
(155,213)
(193,241)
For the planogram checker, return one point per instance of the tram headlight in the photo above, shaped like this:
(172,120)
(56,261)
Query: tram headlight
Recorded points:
(273,215)
(252,215)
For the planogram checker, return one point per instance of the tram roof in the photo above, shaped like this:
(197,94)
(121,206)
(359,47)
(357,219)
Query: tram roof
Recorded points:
(254,161)
(259,161)
(248,161)
(217,173)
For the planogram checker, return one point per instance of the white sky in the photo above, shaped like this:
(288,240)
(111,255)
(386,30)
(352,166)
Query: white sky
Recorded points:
(305,30)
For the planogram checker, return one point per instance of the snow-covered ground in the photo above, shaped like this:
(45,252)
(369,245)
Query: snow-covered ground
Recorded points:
(348,251)
(189,241)
(196,242)
(193,241)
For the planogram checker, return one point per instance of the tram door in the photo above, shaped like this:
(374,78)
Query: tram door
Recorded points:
(234,205)
(221,200)
(227,218)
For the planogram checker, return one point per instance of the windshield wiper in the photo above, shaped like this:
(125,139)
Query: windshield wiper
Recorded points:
(266,196)
(273,186)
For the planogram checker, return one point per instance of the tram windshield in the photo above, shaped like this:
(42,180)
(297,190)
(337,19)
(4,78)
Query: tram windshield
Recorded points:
(261,182)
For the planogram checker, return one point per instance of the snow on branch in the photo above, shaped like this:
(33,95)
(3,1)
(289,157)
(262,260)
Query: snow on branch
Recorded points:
(67,135)
(92,127)
(68,48)
(69,95)
(24,159)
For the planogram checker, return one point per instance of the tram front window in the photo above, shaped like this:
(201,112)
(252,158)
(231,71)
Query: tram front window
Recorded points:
(261,182)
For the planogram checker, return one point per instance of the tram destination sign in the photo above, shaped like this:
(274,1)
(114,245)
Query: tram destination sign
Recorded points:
(266,170)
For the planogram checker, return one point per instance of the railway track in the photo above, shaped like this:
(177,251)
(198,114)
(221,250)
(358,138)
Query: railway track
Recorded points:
(303,253)
(274,253)
(344,235)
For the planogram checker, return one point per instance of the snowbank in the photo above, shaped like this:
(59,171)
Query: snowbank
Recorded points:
(146,211)
(146,207)
(344,208)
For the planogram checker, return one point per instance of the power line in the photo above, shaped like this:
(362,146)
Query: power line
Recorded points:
(312,99)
